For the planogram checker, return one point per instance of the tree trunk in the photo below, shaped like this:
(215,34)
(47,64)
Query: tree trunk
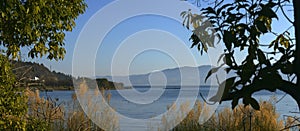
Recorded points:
(296,4)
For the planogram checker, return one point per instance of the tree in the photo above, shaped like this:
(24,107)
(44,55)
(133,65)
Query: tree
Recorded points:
(37,25)
(240,25)
(13,107)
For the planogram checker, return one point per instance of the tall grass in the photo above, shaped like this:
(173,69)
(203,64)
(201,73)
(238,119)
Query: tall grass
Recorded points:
(240,119)
(292,123)
(246,118)
(49,114)
(96,108)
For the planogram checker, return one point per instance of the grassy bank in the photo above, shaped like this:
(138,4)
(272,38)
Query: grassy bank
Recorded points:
(48,114)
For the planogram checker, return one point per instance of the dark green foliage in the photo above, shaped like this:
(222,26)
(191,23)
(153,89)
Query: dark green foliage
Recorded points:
(104,83)
(38,25)
(101,83)
(37,124)
(13,107)
(28,70)
(240,25)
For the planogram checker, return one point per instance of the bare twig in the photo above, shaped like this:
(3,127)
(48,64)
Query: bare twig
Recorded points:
(285,15)
(288,127)
(281,98)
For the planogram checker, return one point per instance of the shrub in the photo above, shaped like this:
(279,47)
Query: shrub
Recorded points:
(13,107)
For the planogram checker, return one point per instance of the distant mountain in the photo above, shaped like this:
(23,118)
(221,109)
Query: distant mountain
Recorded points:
(187,76)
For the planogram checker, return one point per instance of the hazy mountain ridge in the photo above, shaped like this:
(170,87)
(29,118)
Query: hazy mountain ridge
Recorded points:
(186,76)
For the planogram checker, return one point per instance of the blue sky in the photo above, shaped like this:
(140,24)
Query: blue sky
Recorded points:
(168,32)
(144,62)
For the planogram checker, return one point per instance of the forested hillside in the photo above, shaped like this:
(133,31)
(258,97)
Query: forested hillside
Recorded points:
(26,71)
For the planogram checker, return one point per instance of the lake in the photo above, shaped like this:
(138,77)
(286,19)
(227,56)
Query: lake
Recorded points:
(143,102)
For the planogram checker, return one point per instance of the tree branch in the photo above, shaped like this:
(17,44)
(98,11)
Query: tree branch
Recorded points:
(281,8)
(285,86)
(290,127)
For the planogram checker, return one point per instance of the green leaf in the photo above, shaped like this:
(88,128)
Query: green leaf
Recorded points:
(224,88)
(234,102)
(268,12)
(261,26)
(227,60)
(183,13)
(208,10)
(254,104)
(283,41)
(281,50)
(2,14)
(220,57)
(261,56)
(211,71)
(273,43)
(247,72)
(195,39)
(228,39)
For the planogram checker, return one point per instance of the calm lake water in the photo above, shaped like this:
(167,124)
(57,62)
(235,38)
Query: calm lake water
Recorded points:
(143,102)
